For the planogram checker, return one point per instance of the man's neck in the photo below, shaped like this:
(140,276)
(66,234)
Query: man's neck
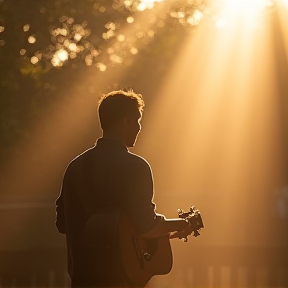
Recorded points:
(113,135)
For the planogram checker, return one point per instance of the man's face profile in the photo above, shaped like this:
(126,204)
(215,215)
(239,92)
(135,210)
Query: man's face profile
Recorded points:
(132,128)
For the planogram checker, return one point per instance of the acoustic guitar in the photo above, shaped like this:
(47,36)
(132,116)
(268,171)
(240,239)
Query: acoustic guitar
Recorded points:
(138,257)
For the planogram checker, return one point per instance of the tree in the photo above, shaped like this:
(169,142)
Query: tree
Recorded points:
(45,44)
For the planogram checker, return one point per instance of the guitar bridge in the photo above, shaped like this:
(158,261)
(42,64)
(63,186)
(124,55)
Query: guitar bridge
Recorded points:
(146,256)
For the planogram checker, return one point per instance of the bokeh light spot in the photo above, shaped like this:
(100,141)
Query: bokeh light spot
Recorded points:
(195,18)
(62,54)
(121,38)
(110,50)
(22,52)
(56,62)
(102,67)
(116,59)
(130,19)
(31,39)
(72,47)
(151,33)
(139,34)
(26,27)
(34,60)
(102,9)
(72,55)
(94,52)
(133,50)
(89,60)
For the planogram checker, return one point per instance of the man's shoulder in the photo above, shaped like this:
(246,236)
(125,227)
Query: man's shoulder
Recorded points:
(126,160)
(78,160)
(137,161)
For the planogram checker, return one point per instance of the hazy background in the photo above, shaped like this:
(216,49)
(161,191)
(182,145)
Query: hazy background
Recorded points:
(214,79)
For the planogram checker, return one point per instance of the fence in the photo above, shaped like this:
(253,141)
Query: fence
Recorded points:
(46,268)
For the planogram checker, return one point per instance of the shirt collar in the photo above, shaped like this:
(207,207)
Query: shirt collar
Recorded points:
(115,144)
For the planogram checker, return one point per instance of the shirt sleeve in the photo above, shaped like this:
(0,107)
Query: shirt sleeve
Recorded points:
(60,211)
(141,207)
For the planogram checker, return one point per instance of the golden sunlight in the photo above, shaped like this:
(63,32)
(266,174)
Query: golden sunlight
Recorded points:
(212,130)
(240,6)
(249,13)
(222,92)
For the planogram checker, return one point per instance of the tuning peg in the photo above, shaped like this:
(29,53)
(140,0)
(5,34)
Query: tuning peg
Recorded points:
(184,239)
(192,208)
(180,212)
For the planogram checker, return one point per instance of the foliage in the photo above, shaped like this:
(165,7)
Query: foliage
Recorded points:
(45,43)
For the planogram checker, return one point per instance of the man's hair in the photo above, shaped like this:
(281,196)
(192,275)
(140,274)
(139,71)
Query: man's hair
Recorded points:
(116,105)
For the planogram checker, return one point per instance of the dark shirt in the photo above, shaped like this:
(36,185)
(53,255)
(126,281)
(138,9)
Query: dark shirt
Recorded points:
(103,178)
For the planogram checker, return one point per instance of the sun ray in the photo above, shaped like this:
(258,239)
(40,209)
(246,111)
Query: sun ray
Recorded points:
(216,118)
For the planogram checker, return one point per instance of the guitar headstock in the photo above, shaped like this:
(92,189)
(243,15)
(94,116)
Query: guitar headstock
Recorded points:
(193,216)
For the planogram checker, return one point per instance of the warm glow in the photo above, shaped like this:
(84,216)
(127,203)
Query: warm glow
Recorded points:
(241,10)
(224,134)
(213,133)
(237,6)
(220,23)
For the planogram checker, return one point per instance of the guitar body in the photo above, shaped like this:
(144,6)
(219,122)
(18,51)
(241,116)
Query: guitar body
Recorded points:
(112,243)
(143,258)
(113,248)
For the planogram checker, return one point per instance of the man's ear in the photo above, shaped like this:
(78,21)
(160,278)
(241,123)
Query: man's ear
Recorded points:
(125,123)
(126,120)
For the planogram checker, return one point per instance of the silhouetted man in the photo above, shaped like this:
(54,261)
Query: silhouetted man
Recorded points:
(108,177)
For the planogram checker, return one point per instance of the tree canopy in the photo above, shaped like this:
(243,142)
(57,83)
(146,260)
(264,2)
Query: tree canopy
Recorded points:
(45,44)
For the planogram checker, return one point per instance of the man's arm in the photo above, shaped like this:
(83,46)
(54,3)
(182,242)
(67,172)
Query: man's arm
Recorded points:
(60,209)
(60,216)
(175,228)
(142,209)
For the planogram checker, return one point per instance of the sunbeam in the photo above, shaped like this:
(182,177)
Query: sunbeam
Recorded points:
(216,120)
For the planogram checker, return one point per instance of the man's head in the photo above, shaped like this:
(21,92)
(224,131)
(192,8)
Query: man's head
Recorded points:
(120,113)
